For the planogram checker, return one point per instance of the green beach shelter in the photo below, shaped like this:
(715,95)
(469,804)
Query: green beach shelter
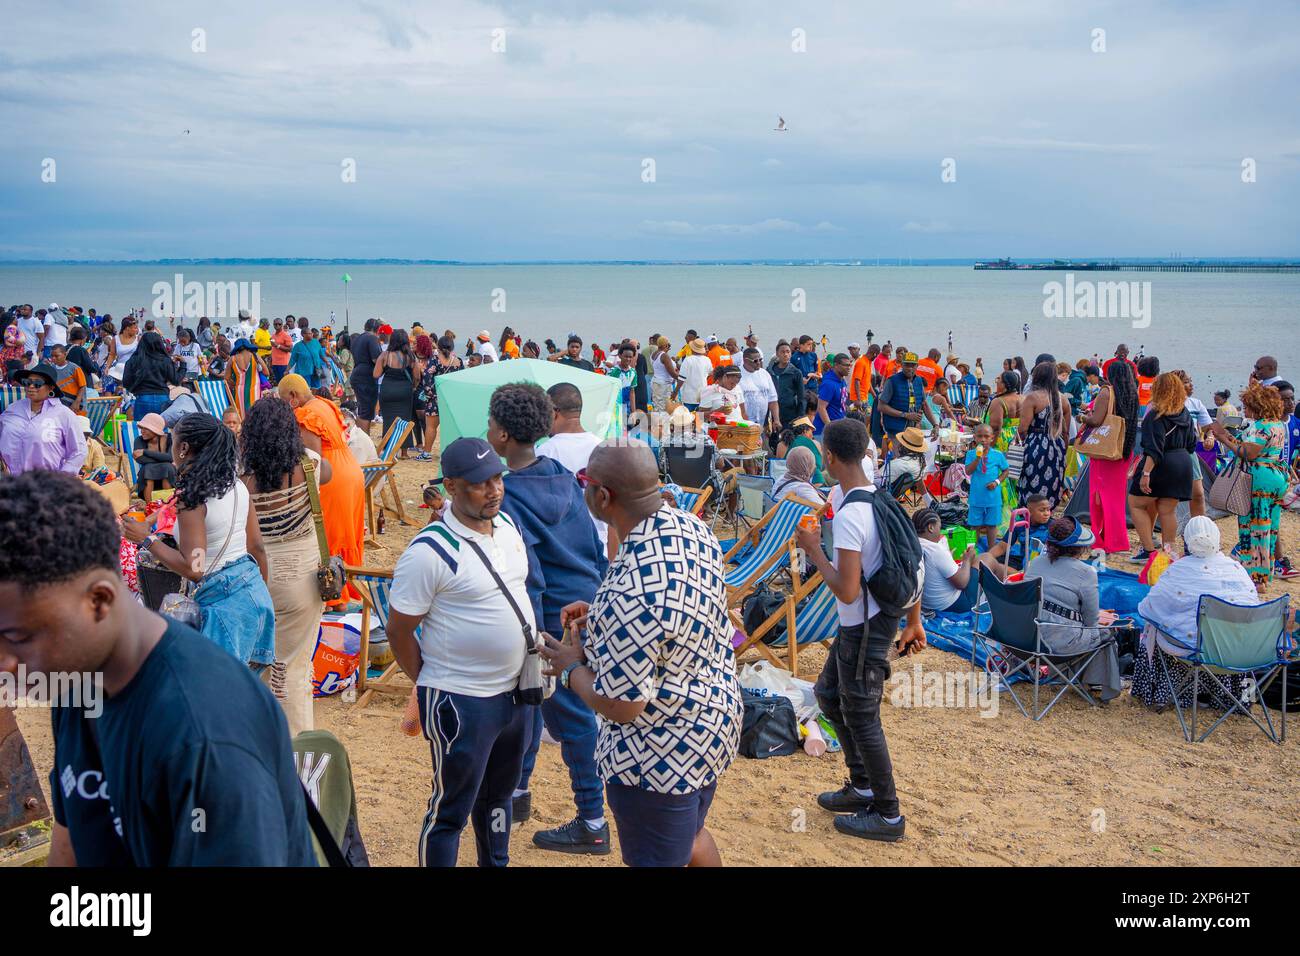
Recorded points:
(463,396)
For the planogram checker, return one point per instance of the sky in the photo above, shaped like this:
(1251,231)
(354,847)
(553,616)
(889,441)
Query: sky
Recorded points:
(645,130)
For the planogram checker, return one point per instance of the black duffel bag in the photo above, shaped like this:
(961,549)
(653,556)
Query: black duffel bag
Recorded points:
(758,607)
(770,728)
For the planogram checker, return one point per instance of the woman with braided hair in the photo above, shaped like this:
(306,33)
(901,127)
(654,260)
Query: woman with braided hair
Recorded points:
(218,543)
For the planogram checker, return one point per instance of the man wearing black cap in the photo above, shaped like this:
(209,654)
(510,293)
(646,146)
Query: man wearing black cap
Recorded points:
(462,582)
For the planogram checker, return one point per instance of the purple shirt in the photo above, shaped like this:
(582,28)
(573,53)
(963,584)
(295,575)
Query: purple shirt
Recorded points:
(49,439)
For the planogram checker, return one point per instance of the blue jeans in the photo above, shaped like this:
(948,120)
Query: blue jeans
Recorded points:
(144,404)
(573,724)
(477,744)
(238,615)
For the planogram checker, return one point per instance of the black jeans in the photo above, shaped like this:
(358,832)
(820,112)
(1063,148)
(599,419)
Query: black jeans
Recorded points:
(852,704)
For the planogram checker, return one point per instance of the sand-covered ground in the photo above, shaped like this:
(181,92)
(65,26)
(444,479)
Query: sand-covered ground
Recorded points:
(1111,785)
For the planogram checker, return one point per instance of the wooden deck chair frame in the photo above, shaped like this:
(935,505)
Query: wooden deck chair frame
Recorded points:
(702,496)
(390,486)
(736,595)
(104,407)
(392,680)
(127,466)
(789,611)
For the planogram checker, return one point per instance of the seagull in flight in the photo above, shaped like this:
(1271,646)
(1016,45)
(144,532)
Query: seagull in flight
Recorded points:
(780,125)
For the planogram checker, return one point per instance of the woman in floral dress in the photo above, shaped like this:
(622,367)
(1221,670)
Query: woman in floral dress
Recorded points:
(443,360)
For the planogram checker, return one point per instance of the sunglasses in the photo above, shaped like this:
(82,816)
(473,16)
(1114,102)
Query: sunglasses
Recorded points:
(35,383)
(584,479)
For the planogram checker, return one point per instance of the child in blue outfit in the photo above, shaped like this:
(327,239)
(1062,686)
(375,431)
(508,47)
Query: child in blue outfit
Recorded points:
(986,467)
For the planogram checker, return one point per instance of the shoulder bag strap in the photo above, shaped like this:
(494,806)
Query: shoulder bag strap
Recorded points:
(234,509)
(333,855)
(309,470)
(530,643)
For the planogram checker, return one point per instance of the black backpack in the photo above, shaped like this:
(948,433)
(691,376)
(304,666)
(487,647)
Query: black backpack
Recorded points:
(770,728)
(896,585)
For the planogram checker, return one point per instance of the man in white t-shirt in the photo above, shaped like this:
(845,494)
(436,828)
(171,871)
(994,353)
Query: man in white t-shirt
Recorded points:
(759,390)
(33,329)
(246,325)
(570,444)
(485,348)
(56,329)
(468,656)
(851,684)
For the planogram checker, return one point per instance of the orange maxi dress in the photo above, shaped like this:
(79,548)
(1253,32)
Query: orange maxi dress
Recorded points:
(343,498)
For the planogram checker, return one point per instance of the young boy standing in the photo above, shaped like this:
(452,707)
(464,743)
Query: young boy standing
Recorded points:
(852,682)
(986,467)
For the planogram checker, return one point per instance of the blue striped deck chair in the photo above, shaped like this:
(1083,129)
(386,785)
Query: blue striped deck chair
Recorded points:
(694,500)
(962,395)
(127,432)
(770,545)
(99,410)
(373,474)
(374,586)
(810,615)
(10,394)
(215,395)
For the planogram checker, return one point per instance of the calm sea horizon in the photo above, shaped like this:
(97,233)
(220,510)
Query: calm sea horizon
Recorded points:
(1213,324)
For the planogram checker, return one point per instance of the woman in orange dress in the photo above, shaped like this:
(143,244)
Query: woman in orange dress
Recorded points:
(343,499)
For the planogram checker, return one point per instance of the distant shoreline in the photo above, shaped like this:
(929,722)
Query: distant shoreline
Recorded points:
(893,262)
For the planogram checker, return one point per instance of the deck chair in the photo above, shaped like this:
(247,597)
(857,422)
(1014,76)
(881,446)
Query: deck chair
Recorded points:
(694,500)
(99,410)
(10,394)
(215,395)
(374,472)
(1232,639)
(766,548)
(127,432)
(374,586)
(962,395)
(1007,626)
(809,614)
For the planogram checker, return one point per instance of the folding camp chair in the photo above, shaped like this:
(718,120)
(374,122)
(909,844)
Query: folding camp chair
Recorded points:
(1232,639)
(755,495)
(215,395)
(374,587)
(1007,625)
(99,410)
(127,433)
(10,394)
(766,548)
(375,472)
(810,615)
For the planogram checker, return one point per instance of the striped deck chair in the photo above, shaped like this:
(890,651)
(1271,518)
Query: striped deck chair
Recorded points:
(962,395)
(814,621)
(374,472)
(694,500)
(127,432)
(10,394)
(766,548)
(215,395)
(374,586)
(99,410)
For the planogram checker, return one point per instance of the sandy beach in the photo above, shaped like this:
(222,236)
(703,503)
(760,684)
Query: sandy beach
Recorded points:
(1114,785)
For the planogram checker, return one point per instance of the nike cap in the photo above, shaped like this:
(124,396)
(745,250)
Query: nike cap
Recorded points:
(470,458)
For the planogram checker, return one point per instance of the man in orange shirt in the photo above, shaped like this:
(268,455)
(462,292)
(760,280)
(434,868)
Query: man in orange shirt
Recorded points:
(718,353)
(281,346)
(860,382)
(928,369)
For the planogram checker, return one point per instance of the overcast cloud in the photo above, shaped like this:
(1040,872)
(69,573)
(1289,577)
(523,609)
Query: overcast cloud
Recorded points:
(538,152)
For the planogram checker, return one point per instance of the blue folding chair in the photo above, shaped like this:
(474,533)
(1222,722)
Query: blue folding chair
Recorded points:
(1008,629)
(127,433)
(375,587)
(1232,640)
(810,615)
(99,410)
(766,548)
(215,395)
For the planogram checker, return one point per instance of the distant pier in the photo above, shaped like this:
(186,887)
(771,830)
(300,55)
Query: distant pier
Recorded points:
(1116,265)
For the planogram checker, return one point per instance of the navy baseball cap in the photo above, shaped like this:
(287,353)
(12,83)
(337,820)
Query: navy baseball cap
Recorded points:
(470,458)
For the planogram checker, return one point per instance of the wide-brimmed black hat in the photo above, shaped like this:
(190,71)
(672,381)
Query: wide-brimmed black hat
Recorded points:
(45,370)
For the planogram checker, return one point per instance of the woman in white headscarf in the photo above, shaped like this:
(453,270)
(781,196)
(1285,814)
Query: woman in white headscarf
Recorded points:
(1170,610)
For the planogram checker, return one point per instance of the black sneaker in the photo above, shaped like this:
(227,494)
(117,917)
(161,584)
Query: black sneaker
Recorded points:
(1142,557)
(870,825)
(575,837)
(843,800)
(521,808)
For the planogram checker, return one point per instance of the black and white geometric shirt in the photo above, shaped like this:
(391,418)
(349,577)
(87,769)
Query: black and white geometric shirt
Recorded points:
(658,631)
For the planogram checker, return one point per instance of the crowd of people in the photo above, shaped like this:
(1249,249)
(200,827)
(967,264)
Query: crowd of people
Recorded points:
(552,554)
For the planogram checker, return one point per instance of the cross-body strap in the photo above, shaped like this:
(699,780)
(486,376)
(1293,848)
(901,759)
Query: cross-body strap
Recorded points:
(309,469)
(530,645)
(333,855)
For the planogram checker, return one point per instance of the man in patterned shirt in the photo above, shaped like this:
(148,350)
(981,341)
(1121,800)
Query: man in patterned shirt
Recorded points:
(657,664)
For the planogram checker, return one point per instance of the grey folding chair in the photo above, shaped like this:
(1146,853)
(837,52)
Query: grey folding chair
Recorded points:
(1007,626)
(1233,639)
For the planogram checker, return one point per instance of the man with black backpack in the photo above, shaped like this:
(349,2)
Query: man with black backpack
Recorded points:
(876,578)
